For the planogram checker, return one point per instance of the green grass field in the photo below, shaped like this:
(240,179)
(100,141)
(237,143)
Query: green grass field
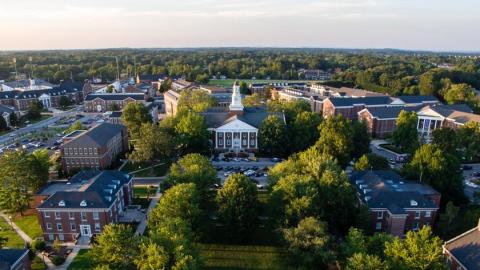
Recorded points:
(82,261)
(229,82)
(160,170)
(235,257)
(143,191)
(29,224)
(37,264)
(14,240)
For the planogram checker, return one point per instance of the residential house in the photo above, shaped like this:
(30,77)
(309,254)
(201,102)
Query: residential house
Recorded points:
(463,251)
(396,205)
(92,201)
(14,259)
(96,148)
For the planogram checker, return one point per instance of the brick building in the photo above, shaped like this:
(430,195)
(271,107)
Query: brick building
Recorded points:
(49,97)
(396,205)
(382,121)
(463,251)
(96,148)
(111,102)
(95,200)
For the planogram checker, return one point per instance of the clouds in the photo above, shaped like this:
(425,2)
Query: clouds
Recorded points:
(173,23)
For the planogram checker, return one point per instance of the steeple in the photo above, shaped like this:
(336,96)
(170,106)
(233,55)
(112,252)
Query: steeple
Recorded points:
(236,105)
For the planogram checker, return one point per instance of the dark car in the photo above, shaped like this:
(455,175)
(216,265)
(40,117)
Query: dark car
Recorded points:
(476,174)
(467,167)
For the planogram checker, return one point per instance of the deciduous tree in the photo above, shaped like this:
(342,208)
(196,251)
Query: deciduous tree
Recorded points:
(406,135)
(272,136)
(134,115)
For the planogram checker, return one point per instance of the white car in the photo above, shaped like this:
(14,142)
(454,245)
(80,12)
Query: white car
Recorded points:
(260,186)
(471,184)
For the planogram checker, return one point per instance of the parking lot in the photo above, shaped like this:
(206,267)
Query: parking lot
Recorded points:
(255,170)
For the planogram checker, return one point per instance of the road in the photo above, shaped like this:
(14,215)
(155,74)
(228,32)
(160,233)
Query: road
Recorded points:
(378,150)
(468,175)
(261,164)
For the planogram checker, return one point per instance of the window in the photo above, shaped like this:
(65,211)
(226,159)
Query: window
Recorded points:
(378,226)
(57,215)
(417,214)
(48,225)
(415,226)
(380,215)
(50,237)
(83,215)
(46,214)
(73,226)
(71,215)
(97,227)
(95,215)
(428,213)
(61,237)
(420,124)
(59,227)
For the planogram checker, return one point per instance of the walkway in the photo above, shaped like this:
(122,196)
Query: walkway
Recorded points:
(27,239)
(143,224)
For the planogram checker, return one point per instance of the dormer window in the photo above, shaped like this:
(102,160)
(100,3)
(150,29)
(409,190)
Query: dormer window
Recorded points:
(413,203)
(61,203)
(83,203)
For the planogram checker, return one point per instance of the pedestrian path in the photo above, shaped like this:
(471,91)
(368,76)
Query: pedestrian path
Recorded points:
(143,224)
(27,239)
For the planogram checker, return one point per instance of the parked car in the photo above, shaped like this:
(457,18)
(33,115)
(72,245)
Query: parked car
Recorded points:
(467,167)
(276,159)
(476,174)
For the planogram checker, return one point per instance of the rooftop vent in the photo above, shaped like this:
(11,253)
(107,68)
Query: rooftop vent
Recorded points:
(109,191)
(61,203)
(413,203)
(108,198)
(362,186)
(116,182)
(358,182)
(366,190)
(83,203)
(390,181)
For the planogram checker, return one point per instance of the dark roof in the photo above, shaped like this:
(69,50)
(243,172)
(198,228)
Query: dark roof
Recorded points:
(99,135)
(466,248)
(351,101)
(150,77)
(98,192)
(418,99)
(389,112)
(387,189)
(64,88)
(7,109)
(254,116)
(8,257)
(460,113)
(116,96)
(27,83)
(116,114)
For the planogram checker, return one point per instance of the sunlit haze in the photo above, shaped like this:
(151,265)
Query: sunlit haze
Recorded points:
(404,24)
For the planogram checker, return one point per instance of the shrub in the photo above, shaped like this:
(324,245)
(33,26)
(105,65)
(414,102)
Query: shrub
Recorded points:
(38,245)
(58,260)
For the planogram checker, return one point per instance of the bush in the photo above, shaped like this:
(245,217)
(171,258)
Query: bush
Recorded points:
(58,260)
(38,245)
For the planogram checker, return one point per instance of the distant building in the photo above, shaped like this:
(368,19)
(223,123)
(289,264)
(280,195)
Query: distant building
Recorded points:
(396,205)
(49,97)
(315,100)
(328,91)
(105,102)
(97,148)
(434,117)
(258,87)
(93,199)
(26,85)
(382,121)
(463,251)
(6,112)
(315,74)
(14,259)
(222,97)
(182,84)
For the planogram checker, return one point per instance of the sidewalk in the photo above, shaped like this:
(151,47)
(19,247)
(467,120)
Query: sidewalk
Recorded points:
(27,239)
(143,224)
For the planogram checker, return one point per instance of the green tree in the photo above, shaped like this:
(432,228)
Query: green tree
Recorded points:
(77,125)
(446,139)
(438,169)
(191,133)
(469,140)
(336,139)
(446,218)
(406,135)
(253,100)
(362,261)
(419,251)
(3,124)
(110,89)
(303,131)
(309,244)
(272,136)
(194,101)
(116,247)
(244,90)
(34,110)
(193,168)
(371,161)
(460,93)
(134,115)
(180,201)
(40,165)
(237,206)
(64,102)
(151,143)
(360,139)
(355,243)
(152,256)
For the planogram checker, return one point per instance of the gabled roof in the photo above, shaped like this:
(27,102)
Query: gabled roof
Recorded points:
(116,96)
(460,113)
(367,101)
(389,112)
(64,88)
(418,99)
(8,257)
(466,248)
(6,109)
(387,189)
(99,135)
(254,116)
(98,191)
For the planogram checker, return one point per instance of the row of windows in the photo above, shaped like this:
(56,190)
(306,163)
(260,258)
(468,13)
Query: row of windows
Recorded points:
(418,214)
(74,161)
(71,215)
(416,225)
(80,151)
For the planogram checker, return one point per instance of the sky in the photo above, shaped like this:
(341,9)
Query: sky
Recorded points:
(440,25)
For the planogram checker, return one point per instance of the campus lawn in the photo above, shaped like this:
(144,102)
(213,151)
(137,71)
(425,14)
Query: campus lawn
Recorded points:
(14,240)
(37,264)
(29,224)
(157,171)
(82,261)
(42,117)
(237,257)
(143,191)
